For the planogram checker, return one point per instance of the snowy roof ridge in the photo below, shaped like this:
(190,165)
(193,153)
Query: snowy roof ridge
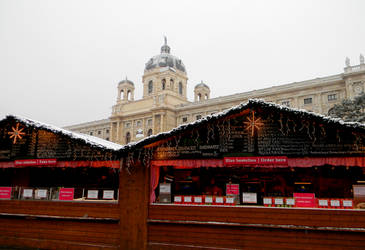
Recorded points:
(250,103)
(88,139)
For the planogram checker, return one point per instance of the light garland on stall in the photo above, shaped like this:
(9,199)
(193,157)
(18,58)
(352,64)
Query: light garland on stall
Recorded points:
(17,133)
(253,123)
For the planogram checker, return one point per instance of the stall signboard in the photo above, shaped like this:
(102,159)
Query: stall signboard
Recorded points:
(177,199)
(5,193)
(232,189)
(335,203)
(322,202)
(92,194)
(208,199)
(305,199)
(198,199)
(41,193)
(35,162)
(267,201)
(230,200)
(290,201)
(262,160)
(249,198)
(108,194)
(188,199)
(66,194)
(219,200)
(27,193)
(165,188)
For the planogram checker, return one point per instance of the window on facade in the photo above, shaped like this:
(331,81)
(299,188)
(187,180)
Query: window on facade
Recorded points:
(198,117)
(150,87)
(206,96)
(91,133)
(107,131)
(285,103)
(149,132)
(163,84)
(122,94)
(129,95)
(308,100)
(107,138)
(332,97)
(99,132)
(128,137)
(180,88)
(172,84)
(149,122)
(127,124)
(138,124)
(184,119)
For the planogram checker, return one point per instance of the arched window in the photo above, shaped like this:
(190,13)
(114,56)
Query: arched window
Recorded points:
(180,88)
(206,96)
(128,138)
(122,94)
(129,95)
(150,87)
(163,84)
(172,84)
(199,97)
(149,132)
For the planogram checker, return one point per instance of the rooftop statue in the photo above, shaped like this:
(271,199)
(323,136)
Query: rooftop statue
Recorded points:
(347,62)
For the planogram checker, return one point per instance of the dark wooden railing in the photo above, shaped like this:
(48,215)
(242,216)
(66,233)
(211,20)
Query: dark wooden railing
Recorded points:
(59,225)
(173,226)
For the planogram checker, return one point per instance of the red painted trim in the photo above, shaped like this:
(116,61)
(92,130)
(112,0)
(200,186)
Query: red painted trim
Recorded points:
(62,164)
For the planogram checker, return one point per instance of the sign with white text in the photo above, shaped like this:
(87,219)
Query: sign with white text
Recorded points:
(35,162)
(5,193)
(263,160)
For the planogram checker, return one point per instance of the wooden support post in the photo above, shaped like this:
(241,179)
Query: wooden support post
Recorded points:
(133,203)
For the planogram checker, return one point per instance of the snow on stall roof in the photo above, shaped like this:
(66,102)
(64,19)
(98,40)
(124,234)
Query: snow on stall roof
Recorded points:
(251,103)
(88,139)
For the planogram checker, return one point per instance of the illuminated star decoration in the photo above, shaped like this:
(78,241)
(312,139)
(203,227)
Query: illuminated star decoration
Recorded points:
(16,133)
(253,123)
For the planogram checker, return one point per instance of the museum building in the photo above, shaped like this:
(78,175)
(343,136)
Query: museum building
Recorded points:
(164,104)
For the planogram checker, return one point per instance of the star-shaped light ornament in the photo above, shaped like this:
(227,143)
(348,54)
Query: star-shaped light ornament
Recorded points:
(16,133)
(253,123)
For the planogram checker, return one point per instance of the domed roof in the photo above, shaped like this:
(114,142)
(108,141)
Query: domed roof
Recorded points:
(201,84)
(126,81)
(165,59)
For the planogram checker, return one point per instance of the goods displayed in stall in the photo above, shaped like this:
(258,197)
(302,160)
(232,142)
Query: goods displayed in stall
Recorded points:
(275,156)
(42,162)
(269,187)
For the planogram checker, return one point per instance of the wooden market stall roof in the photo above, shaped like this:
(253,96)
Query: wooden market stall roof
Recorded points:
(23,141)
(86,139)
(244,108)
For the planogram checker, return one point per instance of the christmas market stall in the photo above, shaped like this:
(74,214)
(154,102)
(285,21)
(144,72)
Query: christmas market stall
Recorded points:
(58,189)
(259,175)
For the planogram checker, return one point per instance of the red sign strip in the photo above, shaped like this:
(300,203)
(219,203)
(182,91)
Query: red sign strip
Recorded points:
(35,162)
(263,160)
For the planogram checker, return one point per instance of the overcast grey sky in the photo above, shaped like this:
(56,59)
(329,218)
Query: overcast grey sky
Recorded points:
(60,61)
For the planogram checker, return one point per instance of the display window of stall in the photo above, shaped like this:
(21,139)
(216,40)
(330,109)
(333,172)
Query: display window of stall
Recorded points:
(60,184)
(255,186)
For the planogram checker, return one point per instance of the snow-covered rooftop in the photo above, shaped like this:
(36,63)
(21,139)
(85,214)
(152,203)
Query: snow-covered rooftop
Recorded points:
(252,103)
(88,139)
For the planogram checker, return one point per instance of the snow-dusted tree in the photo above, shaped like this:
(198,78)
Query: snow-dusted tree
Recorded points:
(350,110)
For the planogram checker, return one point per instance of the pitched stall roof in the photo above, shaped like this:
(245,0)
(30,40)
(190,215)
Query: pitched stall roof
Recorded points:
(89,140)
(251,104)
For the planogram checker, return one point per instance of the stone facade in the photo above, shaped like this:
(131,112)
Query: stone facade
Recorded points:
(164,104)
